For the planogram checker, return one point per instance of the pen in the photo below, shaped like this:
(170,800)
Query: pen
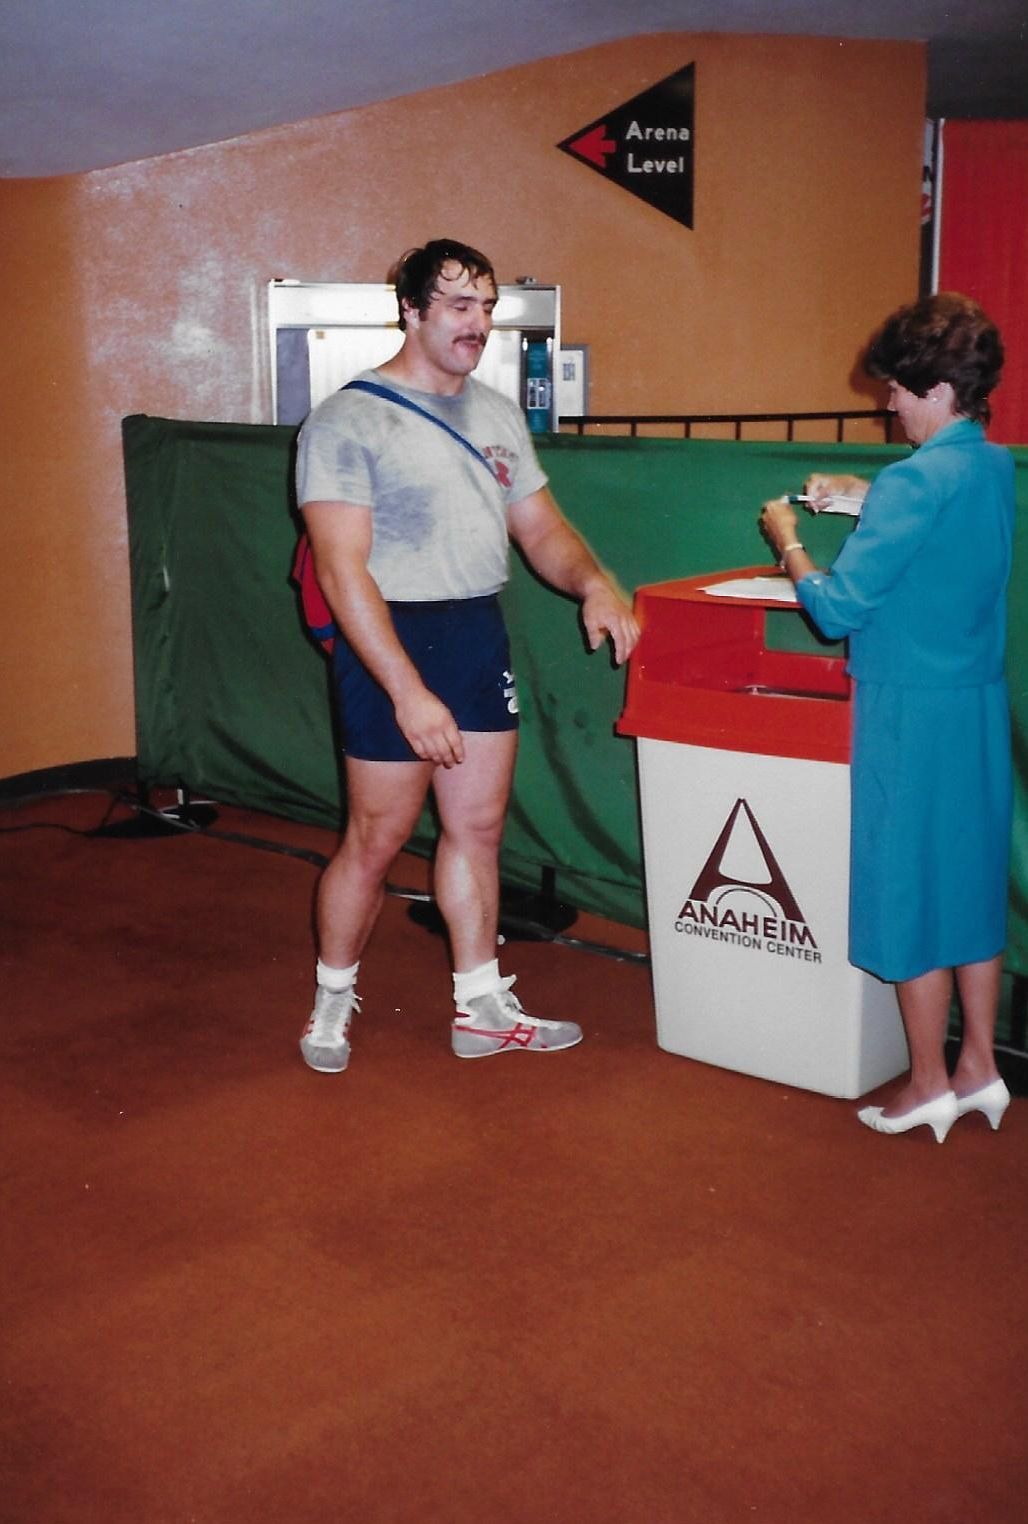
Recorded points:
(835,497)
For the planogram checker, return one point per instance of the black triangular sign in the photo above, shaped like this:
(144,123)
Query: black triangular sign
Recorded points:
(646,145)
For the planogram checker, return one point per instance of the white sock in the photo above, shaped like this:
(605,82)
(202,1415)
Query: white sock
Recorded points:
(336,979)
(476,981)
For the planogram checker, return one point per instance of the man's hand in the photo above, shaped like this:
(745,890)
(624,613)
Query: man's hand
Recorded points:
(429,728)
(605,613)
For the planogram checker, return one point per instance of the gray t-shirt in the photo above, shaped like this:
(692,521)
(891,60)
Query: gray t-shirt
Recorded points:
(439,525)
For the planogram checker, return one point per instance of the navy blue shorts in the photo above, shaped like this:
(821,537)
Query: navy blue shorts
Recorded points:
(461,651)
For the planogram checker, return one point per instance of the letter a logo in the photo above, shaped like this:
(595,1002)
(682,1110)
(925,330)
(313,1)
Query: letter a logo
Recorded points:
(741,859)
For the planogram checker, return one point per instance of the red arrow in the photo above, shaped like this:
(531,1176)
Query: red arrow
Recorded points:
(593,146)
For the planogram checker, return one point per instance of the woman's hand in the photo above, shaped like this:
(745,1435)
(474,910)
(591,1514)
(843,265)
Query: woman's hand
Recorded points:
(822,490)
(778,524)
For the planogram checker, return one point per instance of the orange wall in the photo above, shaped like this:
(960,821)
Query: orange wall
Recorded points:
(142,289)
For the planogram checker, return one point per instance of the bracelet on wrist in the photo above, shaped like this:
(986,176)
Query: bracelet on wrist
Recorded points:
(795,545)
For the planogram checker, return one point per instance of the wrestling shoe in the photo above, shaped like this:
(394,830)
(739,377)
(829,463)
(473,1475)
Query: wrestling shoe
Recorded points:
(495,1023)
(324,1044)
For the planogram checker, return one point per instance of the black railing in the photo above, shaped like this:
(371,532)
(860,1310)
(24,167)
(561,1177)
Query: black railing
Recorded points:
(685,421)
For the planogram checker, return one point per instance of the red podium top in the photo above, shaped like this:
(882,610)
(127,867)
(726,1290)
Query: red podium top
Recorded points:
(702,675)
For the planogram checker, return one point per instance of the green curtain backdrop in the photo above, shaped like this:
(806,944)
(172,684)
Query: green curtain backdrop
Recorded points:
(232,697)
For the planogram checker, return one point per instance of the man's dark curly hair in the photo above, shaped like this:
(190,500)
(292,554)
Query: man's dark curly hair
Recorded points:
(416,272)
(945,337)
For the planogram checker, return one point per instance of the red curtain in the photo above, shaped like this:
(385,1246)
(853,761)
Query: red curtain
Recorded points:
(983,248)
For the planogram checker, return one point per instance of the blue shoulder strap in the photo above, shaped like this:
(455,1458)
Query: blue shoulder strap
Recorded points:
(390,396)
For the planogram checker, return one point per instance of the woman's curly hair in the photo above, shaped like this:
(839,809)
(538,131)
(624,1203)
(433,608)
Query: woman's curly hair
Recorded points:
(945,337)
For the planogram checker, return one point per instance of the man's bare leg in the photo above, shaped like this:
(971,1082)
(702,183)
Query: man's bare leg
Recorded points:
(472,801)
(384,800)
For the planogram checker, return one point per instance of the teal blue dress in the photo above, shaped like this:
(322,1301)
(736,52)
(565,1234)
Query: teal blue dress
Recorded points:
(919,588)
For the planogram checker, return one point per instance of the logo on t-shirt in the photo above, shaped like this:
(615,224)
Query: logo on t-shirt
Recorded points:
(499,466)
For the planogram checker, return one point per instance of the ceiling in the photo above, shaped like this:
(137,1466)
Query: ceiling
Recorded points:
(89,83)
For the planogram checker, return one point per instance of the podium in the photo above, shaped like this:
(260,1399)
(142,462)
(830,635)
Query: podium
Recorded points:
(743,757)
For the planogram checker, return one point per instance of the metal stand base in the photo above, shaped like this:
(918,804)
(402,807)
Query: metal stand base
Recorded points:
(148,822)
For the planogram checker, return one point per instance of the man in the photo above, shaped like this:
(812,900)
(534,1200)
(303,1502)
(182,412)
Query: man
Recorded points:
(409,533)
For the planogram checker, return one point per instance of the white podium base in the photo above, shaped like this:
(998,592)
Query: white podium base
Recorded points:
(747,881)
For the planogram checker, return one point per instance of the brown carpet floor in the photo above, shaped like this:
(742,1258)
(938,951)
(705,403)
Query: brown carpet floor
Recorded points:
(608,1285)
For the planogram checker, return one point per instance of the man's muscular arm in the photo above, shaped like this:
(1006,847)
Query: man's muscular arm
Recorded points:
(560,555)
(340,536)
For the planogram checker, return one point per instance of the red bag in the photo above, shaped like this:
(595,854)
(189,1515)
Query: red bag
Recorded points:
(316,612)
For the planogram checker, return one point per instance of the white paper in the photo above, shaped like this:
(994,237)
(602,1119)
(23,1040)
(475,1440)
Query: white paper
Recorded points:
(850,506)
(780,589)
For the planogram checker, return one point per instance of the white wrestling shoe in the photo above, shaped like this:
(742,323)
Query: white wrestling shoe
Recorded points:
(325,1044)
(495,1023)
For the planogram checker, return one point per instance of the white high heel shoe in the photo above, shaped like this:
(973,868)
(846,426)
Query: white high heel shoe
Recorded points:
(992,1099)
(939,1114)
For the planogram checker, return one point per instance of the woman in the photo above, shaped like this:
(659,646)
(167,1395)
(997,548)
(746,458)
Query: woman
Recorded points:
(919,588)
